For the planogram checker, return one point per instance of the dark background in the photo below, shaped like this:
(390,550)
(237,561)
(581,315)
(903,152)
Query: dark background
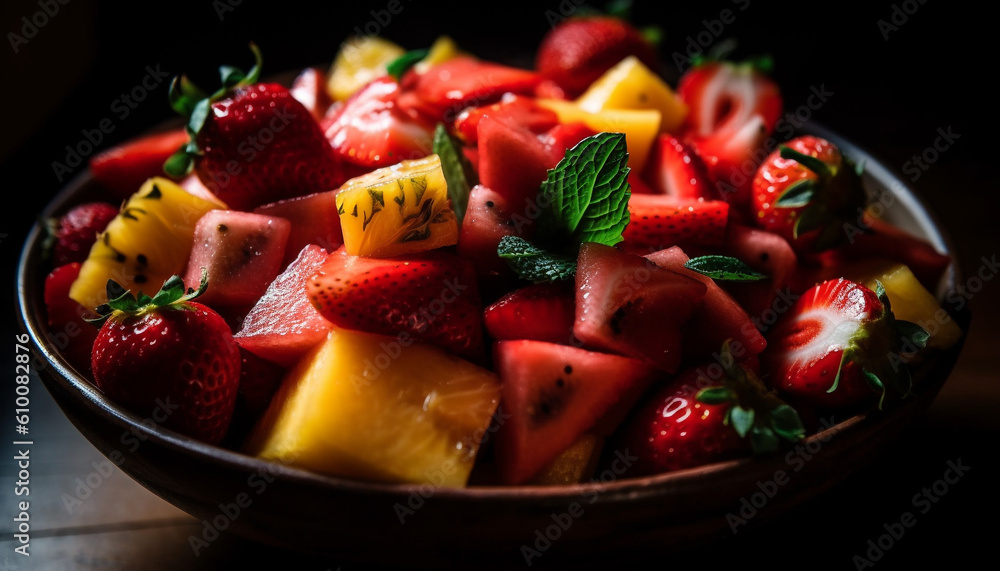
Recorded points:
(890,96)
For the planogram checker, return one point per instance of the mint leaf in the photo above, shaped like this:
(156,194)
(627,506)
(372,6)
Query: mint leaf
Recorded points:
(398,66)
(533,263)
(588,191)
(723,268)
(456,170)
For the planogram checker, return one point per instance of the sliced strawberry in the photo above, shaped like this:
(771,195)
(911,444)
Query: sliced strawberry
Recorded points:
(658,221)
(123,169)
(449,87)
(733,111)
(543,312)
(371,130)
(840,347)
(564,136)
(431,297)
(515,109)
(76,231)
(309,88)
(676,169)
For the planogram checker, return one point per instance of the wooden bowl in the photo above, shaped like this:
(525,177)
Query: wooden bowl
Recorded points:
(615,517)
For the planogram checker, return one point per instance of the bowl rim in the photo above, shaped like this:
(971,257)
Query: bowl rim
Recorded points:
(59,371)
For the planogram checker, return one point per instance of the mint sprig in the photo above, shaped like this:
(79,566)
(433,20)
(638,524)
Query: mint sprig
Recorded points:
(458,173)
(723,268)
(533,263)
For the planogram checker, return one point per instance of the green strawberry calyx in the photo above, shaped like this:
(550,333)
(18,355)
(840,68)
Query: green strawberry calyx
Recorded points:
(122,302)
(192,102)
(755,412)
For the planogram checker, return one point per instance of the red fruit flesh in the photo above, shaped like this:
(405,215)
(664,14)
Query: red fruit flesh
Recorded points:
(261,145)
(718,318)
(579,50)
(631,306)
(122,169)
(72,334)
(659,221)
(542,312)
(449,87)
(514,109)
(313,218)
(309,88)
(770,255)
(283,325)
(487,220)
(677,170)
(431,297)
(563,137)
(553,394)
(259,380)
(77,230)
(501,145)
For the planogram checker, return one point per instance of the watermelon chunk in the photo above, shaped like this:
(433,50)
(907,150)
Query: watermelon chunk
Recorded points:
(513,161)
(718,318)
(487,220)
(629,305)
(284,325)
(544,312)
(553,394)
(314,220)
(768,254)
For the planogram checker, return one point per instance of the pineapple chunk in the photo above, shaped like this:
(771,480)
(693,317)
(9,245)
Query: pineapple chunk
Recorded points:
(379,408)
(641,126)
(443,49)
(360,60)
(149,241)
(574,465)
(399,209)
(632,85)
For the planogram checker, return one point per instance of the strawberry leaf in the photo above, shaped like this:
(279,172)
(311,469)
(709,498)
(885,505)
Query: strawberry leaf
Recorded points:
(797,194)
(715,395)
(400,65)
(785,421)
(456,168)
(588,191)
(741,419)
(533,263)
(763,440)
(913,332)
(810,162)
(723,268)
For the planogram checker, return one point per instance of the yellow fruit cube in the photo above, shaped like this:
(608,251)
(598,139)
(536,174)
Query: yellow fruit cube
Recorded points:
(641,126)
(379,408)
(399,209)
(632,85)
(443,49)
(360,60)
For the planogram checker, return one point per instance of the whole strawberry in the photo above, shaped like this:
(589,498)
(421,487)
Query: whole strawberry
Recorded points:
(168,358)
(708,413)
(579,50)
(252,143)
(73,233)
(841,347)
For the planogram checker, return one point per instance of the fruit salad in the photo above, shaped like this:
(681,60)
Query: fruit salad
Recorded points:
(417,265)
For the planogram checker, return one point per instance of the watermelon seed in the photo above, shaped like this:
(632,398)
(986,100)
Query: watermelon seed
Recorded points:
(568,369)
(560,383)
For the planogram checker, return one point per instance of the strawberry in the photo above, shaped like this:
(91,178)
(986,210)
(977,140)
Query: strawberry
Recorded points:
(122,169)
(559,138)
(841,347)
(252,143)
(659,221)
(579,50)
(807,192)
(733,110)
(309,88)
(516,109)
(67,319)
(676,169)
(542,312)
(707,413)
(431,297)
(168,356)
(371,129)
(73,233)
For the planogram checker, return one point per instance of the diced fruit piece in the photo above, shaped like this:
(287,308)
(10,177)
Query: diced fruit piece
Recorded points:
(676,169)
(641,126)
(576,52)
(358,61)
(149,241)
(242,253)
(259,380)
(502,144)
(284,324)
(401,209)
(543,312)
(443,49)
(122,169)
(71,333)
(629,305)
(718,318)
(371,129)
(632,85)
(517,110)
(314,221)
(554,394)
(770,255)
(563,137)
(487,220)
(658,221)
(379,408)
(911,301)
(431,297)
(309,88)
(575,465)
(75,232)
(450,86)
